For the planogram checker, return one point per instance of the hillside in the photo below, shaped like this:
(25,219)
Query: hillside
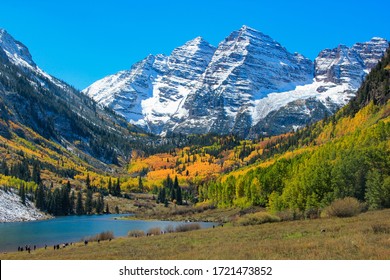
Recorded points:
(52,134)
(347,154)
(32,99)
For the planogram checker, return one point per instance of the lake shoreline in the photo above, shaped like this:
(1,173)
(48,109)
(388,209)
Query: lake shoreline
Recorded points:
(67,229)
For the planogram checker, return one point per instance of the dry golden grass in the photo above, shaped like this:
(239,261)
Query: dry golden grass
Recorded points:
(362,237)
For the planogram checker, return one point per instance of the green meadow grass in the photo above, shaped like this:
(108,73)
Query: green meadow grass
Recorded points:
(366,236)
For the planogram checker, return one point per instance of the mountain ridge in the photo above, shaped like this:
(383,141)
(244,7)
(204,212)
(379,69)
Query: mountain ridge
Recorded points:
(247,76)
(33,99)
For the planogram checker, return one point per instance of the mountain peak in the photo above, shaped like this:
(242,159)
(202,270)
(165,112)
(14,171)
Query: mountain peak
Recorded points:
(196,41)
(378,39)
(196,44)
(247,28)
(15,50)
(195,47)
(248,31)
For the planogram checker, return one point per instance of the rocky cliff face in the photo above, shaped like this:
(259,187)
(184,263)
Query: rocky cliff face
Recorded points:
(235,87)
(349,65)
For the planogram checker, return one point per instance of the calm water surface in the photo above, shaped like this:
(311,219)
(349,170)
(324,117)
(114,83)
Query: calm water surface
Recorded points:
(71,229)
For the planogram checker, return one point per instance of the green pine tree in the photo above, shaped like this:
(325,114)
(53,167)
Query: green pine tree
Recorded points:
(88,202)
(99,205)
(110,190)
(140,185)
(22,193)
(72,203)
(88,182)
(79,204)
(117,188)
(40,202)
(4,168)
(36,173)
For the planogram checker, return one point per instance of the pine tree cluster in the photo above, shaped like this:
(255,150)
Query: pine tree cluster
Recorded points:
(171,191)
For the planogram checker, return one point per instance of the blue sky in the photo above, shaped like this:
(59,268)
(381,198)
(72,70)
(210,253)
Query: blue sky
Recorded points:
(82,41)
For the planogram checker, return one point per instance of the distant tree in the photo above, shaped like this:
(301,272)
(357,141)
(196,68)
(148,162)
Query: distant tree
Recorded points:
(88,181)
(107,209)
(378,190)
(117,188)
(21,170)
(88,202)
(161,197)
(117,209)
(49,201)
(110,190)
(179,199)
(36,173)
(72,203)
(4,168)
(168,183)
(22,193)
(99,205)
(40,202)
(79,204)
(57,209)
(65,199)
(68,186)
(140,184)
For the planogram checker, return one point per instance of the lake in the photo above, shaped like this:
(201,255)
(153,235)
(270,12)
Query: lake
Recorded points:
(72,229)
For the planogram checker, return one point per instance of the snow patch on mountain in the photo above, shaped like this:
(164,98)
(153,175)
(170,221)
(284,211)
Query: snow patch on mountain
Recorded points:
(337,94)
(13,210)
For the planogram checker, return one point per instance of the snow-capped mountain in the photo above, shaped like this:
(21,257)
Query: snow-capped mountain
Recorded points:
(153,90)
(245,67)
(19,55)
(338,74)
(235,87)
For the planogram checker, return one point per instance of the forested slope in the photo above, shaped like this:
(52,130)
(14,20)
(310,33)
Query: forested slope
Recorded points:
(347,154)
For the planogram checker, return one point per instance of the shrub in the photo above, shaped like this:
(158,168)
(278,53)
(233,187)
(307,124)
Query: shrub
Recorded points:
(154,231)
(187,227)
(105,235)
(381,228)
(257,219)
(136,233)
(312,213)
(289,215)
(169,229)
(203,206)
(345,207)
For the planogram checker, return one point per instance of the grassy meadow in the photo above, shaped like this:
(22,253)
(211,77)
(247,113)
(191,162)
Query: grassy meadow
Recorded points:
(366,236)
